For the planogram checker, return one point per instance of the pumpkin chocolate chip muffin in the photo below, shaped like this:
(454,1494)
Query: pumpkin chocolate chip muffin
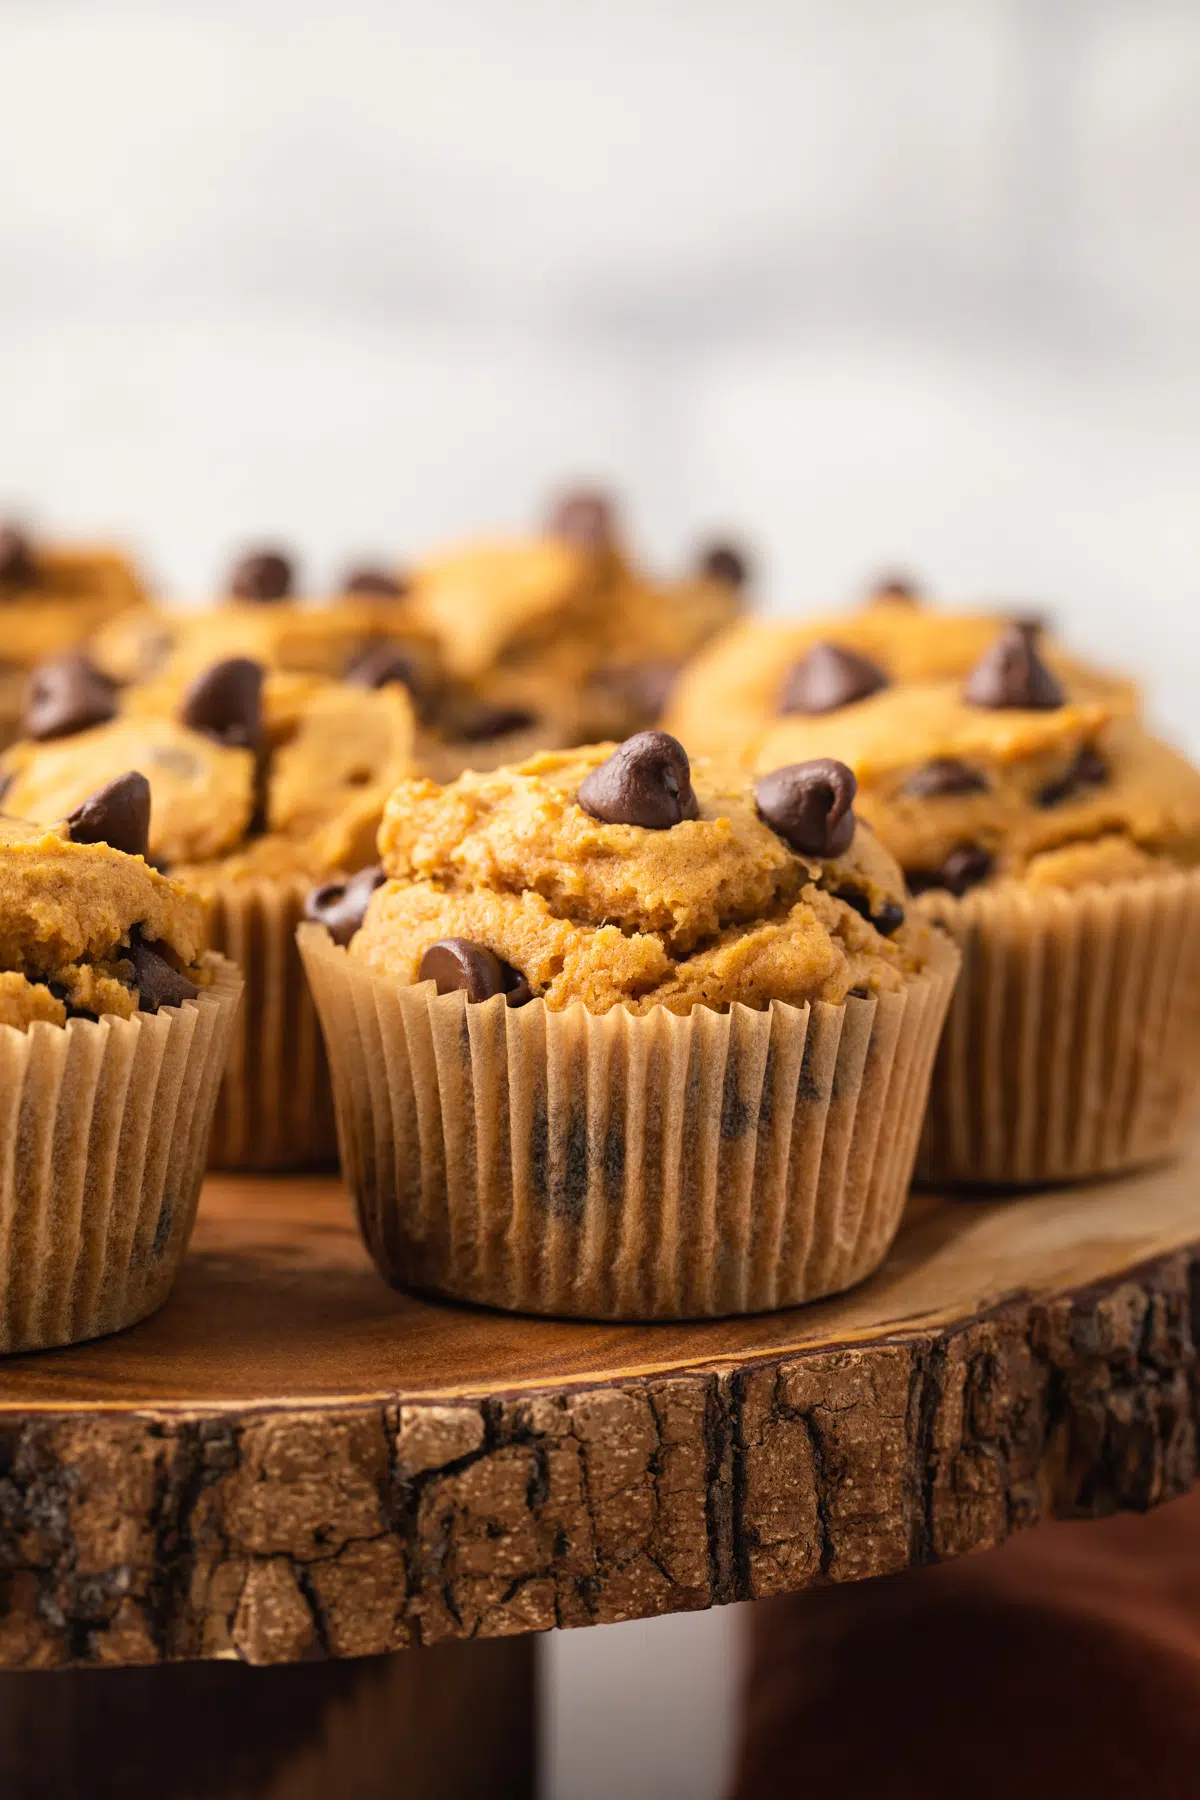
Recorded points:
(52,598)
(649,1041)
(114,1029)
(261,783)
(1058,841)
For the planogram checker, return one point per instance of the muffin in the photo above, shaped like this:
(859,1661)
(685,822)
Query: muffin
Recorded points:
(564,626)
(52,597)
(261,785)
(620,1041)
(114,1028)
(761,672)
(1058,842)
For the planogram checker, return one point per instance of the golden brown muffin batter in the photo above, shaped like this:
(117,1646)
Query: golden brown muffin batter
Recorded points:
(716,910)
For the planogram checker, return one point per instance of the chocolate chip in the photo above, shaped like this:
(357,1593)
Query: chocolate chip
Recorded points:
(261,575)
(965,867)
(66,695)
(341,906)
(225,703)
(810,805)
(586,519)
(894,588)
(158,982)
(640,689)
(724,562)
(647,781)
(117,814)
(828,677)
(486,722)
(887,920)
(17,568)
(382,665)
(944,775)
(1089,769)
(383,583)
(456,963)
(1012,674)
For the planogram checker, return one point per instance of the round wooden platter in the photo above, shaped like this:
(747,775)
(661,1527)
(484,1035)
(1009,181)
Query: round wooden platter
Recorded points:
(293,1462)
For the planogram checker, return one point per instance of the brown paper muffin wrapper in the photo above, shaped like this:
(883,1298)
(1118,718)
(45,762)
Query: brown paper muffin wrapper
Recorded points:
(622,1166)
(1072,1047)
(275,1109)
(103,1137)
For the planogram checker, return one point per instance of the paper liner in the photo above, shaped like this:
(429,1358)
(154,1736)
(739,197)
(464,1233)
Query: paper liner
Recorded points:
(1072,1046)
(275,1109)
(625,1166)
(103,1135)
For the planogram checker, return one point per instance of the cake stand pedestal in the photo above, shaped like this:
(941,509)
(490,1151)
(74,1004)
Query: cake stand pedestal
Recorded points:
(218,1527)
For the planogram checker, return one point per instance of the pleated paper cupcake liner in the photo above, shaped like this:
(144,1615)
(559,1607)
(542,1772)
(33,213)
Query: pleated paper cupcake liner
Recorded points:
(275,1109)
(103,1138)
(1072,1046)
(622,1166)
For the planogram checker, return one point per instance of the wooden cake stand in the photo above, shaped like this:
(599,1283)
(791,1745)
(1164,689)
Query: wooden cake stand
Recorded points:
(292,1465)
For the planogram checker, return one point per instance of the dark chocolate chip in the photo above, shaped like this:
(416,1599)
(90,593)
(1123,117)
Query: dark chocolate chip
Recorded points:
(810,805)
(894,588)
(158,983)
(944,775)
(117,814)
(225,703)
(1012,674)
(455,963)
(724,562)
(486,722)
(640,688)
(17,568)
(383,583)
(886,921)
(828,677)
(66,695)
(965,867)
(647,781)
(341,905)
(1089,769)
(585,519)
(261,575)
(381,665)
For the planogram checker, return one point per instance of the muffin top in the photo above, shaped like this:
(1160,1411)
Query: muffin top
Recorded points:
(87,926)
(617,875)
(757,672)
(1012,773)
(52,596)
(251,774)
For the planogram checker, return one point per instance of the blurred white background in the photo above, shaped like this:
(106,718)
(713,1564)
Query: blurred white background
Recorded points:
(871,281)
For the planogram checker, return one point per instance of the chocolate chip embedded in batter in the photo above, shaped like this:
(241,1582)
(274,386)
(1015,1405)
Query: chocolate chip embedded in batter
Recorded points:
(893,589)
(341,906)
(647,781)
(456,963)
(484,723)
(724,562)
(1012,674)
(158,983)
(585,518)
(385,584)
(1089,769)
(965,867)
(225,703)
(117,814)
(382,665)
(828,677)
(810,805)
(641,689)
(261,575)
(944,775)
(66,695)
(17,567)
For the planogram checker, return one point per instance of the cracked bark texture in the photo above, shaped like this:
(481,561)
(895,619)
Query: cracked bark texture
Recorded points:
(278,1536)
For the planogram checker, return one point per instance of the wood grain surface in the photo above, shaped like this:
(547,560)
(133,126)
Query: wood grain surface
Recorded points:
(290,1461)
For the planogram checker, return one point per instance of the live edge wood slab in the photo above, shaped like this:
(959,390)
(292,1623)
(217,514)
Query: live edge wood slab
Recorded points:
(292,1462)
